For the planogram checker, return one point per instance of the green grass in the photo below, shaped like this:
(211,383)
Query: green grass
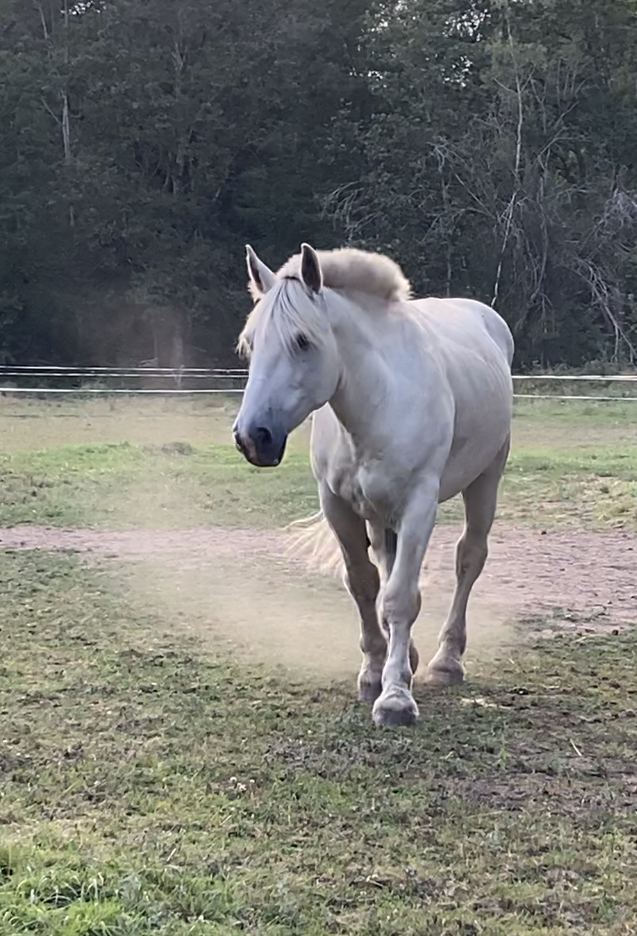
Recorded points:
(149,788)
(573,464)
(151,785)
(164,485)
(549,487)
(173,466)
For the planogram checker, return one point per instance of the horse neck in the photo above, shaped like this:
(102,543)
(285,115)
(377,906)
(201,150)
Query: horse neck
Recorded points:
(364,382)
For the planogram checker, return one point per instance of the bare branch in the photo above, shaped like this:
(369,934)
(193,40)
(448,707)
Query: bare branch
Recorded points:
(516,169)
(45,30)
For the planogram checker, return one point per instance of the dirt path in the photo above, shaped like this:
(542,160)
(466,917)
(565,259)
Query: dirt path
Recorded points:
(238,588)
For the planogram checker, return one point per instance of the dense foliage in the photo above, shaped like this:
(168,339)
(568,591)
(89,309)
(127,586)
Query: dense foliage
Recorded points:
(488,145)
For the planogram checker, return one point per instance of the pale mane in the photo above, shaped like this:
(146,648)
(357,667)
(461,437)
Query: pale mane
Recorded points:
(291,311)
(352,270)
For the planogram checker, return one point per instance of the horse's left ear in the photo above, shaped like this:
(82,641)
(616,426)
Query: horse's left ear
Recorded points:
(311,269)
(261,277)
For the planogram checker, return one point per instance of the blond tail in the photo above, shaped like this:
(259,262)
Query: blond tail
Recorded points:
(315,544)
(312,541)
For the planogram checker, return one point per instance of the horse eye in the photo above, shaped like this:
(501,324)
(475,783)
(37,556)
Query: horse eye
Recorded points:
(301,343)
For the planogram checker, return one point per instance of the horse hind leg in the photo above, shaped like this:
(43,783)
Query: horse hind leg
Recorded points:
(480,500)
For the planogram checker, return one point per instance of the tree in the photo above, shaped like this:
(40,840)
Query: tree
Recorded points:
(515,182)
(487,144)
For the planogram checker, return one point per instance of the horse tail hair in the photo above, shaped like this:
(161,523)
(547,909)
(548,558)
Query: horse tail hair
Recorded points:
(311,539)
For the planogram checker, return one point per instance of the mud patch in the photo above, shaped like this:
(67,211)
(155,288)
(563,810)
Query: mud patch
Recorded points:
(237,589)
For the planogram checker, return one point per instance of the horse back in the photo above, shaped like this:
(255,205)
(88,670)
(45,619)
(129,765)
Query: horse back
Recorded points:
(464,323)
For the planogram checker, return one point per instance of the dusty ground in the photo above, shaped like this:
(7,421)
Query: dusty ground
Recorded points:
(239,589)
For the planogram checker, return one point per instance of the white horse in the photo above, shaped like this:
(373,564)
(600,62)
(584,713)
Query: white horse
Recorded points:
(412,405)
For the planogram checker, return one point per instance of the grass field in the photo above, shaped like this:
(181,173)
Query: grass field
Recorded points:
(153,784)
(166,463)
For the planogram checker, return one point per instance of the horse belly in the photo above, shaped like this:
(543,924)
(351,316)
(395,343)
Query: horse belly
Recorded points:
(472,453)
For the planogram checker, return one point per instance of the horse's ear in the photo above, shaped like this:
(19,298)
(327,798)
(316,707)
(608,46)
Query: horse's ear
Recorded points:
(311,269)
(261,277)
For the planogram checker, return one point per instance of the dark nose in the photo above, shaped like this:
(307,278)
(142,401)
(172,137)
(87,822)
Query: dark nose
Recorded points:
(261,446)
(262,438)
(269,445)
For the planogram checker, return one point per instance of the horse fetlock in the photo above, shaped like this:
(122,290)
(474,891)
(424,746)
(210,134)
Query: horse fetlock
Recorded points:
(445,670)
(369,684)
(394,708)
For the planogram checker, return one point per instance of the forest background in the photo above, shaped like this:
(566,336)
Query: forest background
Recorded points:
(490,146)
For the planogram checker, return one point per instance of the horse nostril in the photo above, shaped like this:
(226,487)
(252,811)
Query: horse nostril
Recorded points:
(262,436)
(238,441)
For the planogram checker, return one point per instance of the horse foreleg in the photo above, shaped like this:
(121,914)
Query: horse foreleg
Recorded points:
(384,545)
(480,500)
(400,606)
(362,581)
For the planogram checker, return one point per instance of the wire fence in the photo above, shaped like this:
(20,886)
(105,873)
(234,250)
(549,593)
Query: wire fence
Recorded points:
(70,370)
(167,381)
(109,391)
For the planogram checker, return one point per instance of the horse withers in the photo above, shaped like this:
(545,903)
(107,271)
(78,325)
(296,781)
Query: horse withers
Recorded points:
(411,402)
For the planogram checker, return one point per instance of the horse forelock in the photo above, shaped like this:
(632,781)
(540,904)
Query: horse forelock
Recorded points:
(289,312)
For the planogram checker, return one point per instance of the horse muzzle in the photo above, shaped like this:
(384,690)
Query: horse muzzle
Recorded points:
(262,447)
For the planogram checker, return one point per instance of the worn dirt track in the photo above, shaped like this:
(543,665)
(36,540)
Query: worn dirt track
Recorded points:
(242,588)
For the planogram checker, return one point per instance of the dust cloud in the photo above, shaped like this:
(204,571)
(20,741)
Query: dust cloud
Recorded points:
(261,607)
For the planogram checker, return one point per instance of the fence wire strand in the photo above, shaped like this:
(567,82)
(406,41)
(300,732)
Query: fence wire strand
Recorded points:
(223,374)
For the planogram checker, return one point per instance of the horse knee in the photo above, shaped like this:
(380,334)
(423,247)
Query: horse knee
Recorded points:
(401,607)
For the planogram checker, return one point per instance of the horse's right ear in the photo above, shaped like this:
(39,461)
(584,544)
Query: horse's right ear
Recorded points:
(311,274)
(261,277)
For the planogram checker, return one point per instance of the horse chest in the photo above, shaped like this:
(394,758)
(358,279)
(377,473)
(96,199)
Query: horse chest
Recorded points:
(369,488)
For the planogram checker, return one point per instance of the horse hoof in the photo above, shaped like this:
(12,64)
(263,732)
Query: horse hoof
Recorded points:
(395,709)
(447,674)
